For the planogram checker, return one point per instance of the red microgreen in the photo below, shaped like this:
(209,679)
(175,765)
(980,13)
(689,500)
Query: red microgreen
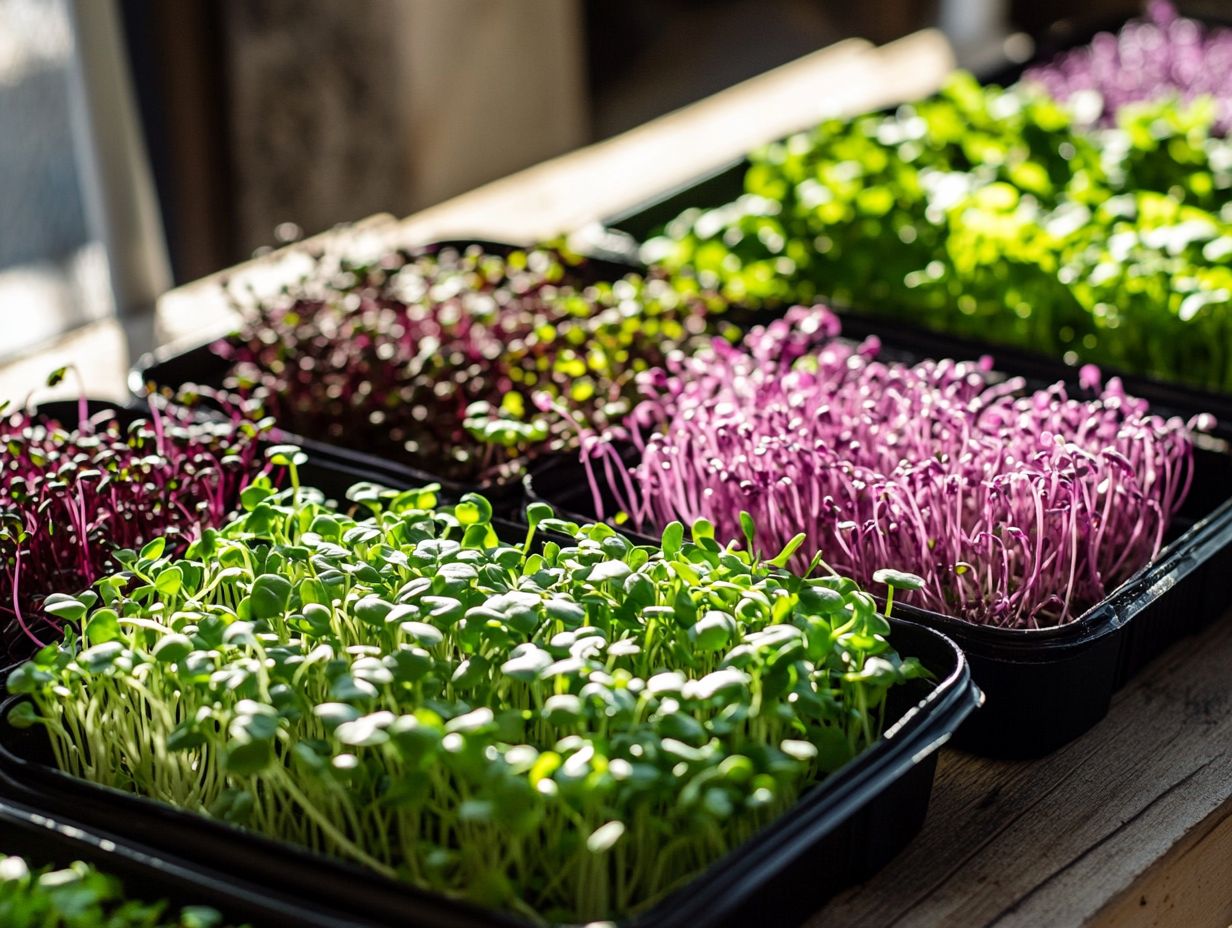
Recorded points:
(431,357)
(71,494)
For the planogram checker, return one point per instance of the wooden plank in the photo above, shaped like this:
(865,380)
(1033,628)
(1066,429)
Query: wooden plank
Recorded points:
(1192,886)
(566,193)
(1058,841)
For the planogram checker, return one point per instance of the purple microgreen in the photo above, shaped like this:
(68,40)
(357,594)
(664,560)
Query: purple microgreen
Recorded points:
(73,494)
(998,504)
(1160,56)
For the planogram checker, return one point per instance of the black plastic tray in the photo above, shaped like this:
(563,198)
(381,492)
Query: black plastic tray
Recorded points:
(44,840)
(626,230)
(1046,687)
(840,832)
(170,370)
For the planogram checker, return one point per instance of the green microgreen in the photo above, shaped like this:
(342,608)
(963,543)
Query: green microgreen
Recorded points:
(81,896)
(566,728)
(999,215)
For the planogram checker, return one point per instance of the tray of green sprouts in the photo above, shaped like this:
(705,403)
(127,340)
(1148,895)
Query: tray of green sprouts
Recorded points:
(410,707)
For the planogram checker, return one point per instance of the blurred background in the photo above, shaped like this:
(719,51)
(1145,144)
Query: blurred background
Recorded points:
(145,143)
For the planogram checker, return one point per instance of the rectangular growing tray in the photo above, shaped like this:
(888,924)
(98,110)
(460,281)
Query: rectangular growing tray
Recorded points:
(171,370)
(624,233)
(840,832)
(50,841)
(1045,687)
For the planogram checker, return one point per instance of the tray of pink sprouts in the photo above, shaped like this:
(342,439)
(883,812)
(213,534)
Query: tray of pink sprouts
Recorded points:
(1047,525)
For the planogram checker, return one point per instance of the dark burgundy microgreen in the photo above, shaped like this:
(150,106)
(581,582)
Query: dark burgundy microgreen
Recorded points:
(1016,508)
(431,357)
(71,494)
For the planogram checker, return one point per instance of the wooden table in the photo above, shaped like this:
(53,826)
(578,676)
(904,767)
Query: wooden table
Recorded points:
(1130,825)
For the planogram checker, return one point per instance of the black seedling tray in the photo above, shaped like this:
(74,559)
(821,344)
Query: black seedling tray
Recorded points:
(840,832)
(43,841)
(169,371)
(724,183)
(1046,687)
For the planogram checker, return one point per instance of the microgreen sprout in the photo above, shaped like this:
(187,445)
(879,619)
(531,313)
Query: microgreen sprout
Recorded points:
(80,896)
(998,215)
(432,357)
(896,579)
(73,493)
(1009,507)
(1160,56)
(567,726)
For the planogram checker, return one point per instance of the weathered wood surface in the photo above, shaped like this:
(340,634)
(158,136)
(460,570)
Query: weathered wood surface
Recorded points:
(1129,825)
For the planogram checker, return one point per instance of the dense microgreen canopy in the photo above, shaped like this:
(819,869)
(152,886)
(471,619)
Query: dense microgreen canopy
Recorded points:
(1014,508)
(568,729)
(994,214)
(431,357)
(72,493)
(80,896)
(1160,56)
